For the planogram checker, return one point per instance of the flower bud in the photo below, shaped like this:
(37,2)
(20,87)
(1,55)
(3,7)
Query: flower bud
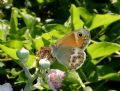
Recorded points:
(23,53)
(44,63)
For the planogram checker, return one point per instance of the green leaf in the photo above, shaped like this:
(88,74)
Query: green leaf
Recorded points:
(2,35)
(29,20)
(102,49)
(15,44)
(57,65)
(11,52)
(73,77)
(103,19)
(58,27)
(21,78)
(111,76)
(75,17)
(104,70)
(4,29)
(38,42)
(14,20)
(40,1)
(12,73)
(28,44)
(107,73)
(54,32)
(90,72)
(86,16)
(31,60)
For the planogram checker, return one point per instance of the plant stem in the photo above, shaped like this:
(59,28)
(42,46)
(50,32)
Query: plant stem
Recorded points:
(81,83)
(27,73)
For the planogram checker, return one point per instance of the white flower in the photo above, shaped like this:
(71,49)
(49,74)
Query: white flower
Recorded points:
(6,87)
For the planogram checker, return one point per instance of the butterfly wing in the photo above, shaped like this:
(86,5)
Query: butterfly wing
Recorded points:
(79,38)
(68,40)
(62,54)
(77,59)
(71,57)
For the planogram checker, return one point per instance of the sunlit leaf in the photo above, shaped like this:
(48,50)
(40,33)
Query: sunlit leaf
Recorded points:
(103,19)
(58,27)
(54,32)
(1,35)
(40,1)
(31,61)
(11,52)
(15,44)
(75,17)
(102,49)
(4,29)
(14,20)
(27,44)
(86,16)
(38,42)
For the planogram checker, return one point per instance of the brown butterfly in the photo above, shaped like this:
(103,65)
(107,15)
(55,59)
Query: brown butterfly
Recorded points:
(69,50)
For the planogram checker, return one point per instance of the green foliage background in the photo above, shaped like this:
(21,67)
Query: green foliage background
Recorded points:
(36,23)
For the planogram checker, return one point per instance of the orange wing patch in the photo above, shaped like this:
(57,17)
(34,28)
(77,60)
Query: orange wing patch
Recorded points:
(70,40)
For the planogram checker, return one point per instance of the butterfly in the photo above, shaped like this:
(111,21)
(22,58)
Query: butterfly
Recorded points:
(69,50)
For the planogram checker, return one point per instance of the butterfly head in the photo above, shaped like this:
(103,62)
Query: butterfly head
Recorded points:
(82,38)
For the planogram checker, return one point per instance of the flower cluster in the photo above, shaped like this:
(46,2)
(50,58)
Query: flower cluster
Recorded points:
(55,78)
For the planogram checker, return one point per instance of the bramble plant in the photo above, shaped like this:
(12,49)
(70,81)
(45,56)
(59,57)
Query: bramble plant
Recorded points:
(29,27)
